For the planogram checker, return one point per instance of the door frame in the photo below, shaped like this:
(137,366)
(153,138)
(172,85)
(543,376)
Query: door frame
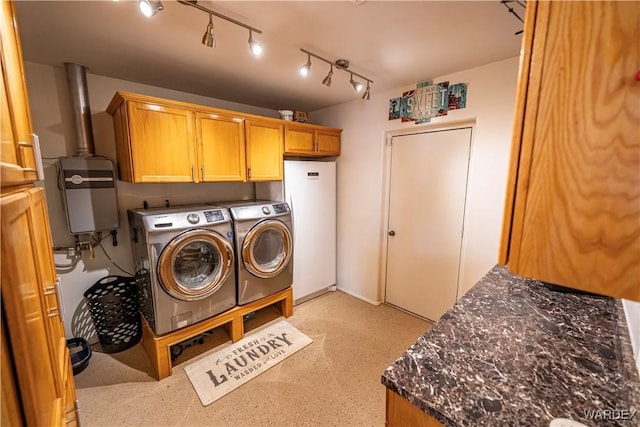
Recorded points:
(388,135)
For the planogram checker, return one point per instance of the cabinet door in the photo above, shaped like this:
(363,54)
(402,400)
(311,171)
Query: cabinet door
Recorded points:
(48,281)
(264,150)
(298,140)
(25,269)
(327,142)
(577,188)
(162,143)
(17,152)
(221,153)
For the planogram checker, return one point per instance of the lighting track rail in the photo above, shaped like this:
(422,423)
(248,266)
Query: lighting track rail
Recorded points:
(340,64)
(219,15)
(149,8)
(522,4)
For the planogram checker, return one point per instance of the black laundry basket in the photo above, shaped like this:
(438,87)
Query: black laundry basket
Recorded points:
(113,305)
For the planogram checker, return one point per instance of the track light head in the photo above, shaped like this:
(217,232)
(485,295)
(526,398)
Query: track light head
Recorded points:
(149,8)
(255,47)
(367,93)
(327,80)
(356,85)
(305,70)
(209,39)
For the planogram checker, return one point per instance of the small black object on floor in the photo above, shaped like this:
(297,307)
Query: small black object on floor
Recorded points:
(80,353)
(177,349)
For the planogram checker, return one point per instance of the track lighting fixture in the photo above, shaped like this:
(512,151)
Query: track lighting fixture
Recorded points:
(306,68)
(149,8)
(356,85)
(367,93)
(209,39)
(254,46)
(327,80)
(340,64)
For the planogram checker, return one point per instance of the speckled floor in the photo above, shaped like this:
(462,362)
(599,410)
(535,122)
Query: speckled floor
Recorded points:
(335,381)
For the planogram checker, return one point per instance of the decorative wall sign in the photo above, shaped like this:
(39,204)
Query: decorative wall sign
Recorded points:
(428,100)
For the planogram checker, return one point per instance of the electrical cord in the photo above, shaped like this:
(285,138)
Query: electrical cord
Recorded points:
(112,261)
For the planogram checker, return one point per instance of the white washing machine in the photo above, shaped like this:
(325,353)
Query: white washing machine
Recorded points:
(264,248)
(185,264)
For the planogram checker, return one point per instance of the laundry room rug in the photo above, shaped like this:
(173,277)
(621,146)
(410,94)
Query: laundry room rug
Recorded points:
(229,368)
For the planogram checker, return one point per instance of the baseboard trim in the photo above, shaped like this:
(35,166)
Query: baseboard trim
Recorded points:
(353,294)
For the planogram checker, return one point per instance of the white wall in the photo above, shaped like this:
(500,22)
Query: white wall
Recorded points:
(52,121)
(632,312)
(361,174)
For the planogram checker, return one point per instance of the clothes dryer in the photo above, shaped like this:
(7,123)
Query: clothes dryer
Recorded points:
(264,248)
(185,264)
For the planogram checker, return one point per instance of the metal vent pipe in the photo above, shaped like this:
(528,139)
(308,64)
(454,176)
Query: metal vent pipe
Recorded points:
(77,82)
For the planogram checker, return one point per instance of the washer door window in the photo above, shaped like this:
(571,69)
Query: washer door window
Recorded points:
(195,264)
(267,248)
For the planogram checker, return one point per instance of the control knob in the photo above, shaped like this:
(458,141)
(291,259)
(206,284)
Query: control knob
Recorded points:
(193,218)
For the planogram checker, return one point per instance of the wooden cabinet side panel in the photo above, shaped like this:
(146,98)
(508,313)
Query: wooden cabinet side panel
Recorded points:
(162,143)
(518,125)
(123,144)
(24,309)
(580,219)
(401,413)
(264,150)
(221,148)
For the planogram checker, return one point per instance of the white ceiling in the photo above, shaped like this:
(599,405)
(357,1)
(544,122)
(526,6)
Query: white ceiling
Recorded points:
(393,43)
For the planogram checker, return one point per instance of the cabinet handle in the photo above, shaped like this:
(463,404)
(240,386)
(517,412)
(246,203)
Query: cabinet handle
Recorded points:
(193,176)
(38,155)
(53,289)
(202,172)
(249,173)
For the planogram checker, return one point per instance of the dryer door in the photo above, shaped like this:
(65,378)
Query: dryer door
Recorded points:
(267,248)
(195,264)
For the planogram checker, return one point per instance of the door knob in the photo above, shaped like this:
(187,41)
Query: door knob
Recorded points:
(392,233)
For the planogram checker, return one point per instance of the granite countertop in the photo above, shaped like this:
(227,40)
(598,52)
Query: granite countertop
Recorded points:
(513,352)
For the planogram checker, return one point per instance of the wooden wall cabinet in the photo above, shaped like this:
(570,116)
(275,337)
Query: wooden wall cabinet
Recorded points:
(37,380)
(160,140)
(161,143)
(32,314)
(221,147)
(311,140)
(17,152)
(264,150)
(572,215)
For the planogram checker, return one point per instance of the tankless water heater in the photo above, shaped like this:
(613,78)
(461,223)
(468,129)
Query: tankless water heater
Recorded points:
(88,187)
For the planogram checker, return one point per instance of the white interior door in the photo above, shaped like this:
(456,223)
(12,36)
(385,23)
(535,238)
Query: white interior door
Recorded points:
(428,182)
